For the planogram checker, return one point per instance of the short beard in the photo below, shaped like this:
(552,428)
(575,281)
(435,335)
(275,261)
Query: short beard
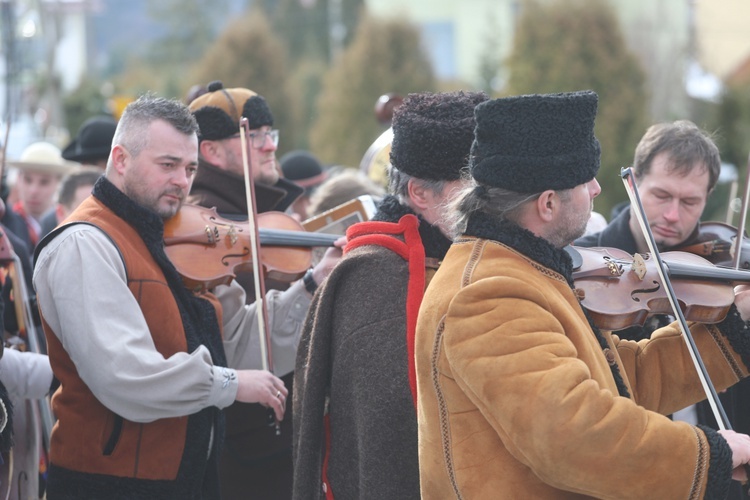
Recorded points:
(267,179)
(570,229)
(153,204)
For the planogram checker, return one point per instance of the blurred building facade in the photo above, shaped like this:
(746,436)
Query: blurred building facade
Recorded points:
(44,57)
(686,47)
(723,37)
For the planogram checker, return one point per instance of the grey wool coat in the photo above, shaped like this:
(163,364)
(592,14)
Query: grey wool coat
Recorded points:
(355,421)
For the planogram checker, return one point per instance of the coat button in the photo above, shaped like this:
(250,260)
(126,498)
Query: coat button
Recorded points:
(610,356)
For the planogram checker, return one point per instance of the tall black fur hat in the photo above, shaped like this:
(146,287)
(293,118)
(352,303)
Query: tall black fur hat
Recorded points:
(432,134)
(219,110)
(532,143)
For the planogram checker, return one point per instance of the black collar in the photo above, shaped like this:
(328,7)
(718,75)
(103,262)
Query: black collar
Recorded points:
(508,233)
(435,243)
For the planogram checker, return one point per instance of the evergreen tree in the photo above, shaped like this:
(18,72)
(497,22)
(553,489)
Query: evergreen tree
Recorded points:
(385,56)
(248,54)
(189,28)
(304,86)
(83,103)
(563,46)
(731,123)
(308,26)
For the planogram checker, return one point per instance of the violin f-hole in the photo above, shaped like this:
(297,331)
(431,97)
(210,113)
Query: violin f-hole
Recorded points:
(225,259)
(656,288)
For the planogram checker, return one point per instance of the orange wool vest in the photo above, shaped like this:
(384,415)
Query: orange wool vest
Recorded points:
(88,437)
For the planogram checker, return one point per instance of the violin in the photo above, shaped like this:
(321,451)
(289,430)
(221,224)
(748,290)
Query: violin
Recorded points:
(621,290)
(208,250)
(715,242)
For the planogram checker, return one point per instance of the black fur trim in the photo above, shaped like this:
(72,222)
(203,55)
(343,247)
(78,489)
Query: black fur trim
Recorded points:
(6,437)
(737,333)
(622,389)
(257,112)
(540,250)
(215,124)
(719,466)
(435,243)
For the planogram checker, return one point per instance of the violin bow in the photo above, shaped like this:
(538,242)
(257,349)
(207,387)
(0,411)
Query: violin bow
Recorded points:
(26,325)
(708,387)
(713,398)
(4,148)
(259,283)
(736,250)
(10,260)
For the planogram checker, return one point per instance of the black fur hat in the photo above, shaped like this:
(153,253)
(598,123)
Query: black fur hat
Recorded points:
(219,110)
(532,143)
(432,134)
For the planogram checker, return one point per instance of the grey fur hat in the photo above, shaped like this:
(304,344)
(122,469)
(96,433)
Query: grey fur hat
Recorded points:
(432,134)
(532,143)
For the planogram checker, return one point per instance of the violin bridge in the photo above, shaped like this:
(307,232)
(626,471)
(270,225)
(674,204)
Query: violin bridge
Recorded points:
(232,233)
(639,266)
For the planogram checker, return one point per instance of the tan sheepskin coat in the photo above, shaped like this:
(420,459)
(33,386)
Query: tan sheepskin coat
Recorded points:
(516,398)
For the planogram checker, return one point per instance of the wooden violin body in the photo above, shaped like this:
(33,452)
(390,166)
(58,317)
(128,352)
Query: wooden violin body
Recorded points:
(621,290)
(715,243)
(208,250)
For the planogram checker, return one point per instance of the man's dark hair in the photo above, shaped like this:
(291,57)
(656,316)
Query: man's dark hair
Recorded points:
(74,180)
(687,145)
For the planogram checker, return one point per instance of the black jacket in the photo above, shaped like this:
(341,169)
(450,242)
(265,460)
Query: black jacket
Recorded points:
(736,399)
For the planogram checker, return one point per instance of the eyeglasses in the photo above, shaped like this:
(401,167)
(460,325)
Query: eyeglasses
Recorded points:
(258,139)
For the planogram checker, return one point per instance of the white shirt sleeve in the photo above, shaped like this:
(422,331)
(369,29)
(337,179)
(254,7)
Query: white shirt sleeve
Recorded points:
(82,290)
(26,375)
(286,312)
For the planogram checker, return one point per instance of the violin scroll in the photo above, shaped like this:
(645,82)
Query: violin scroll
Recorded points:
(716,242)
(385,106)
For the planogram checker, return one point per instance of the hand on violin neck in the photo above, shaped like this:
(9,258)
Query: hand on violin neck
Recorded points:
(331,257)
(742,301)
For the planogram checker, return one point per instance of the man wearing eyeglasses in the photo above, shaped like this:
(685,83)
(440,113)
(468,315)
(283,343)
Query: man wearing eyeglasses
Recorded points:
(220,178)
(254,460)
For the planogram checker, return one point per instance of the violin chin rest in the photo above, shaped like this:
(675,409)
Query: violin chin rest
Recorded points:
(575,256)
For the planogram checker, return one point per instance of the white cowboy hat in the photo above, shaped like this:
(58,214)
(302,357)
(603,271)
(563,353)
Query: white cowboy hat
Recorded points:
(43,157)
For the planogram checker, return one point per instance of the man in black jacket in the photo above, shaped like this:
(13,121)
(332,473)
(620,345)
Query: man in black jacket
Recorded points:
(254,457)
(676,167)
